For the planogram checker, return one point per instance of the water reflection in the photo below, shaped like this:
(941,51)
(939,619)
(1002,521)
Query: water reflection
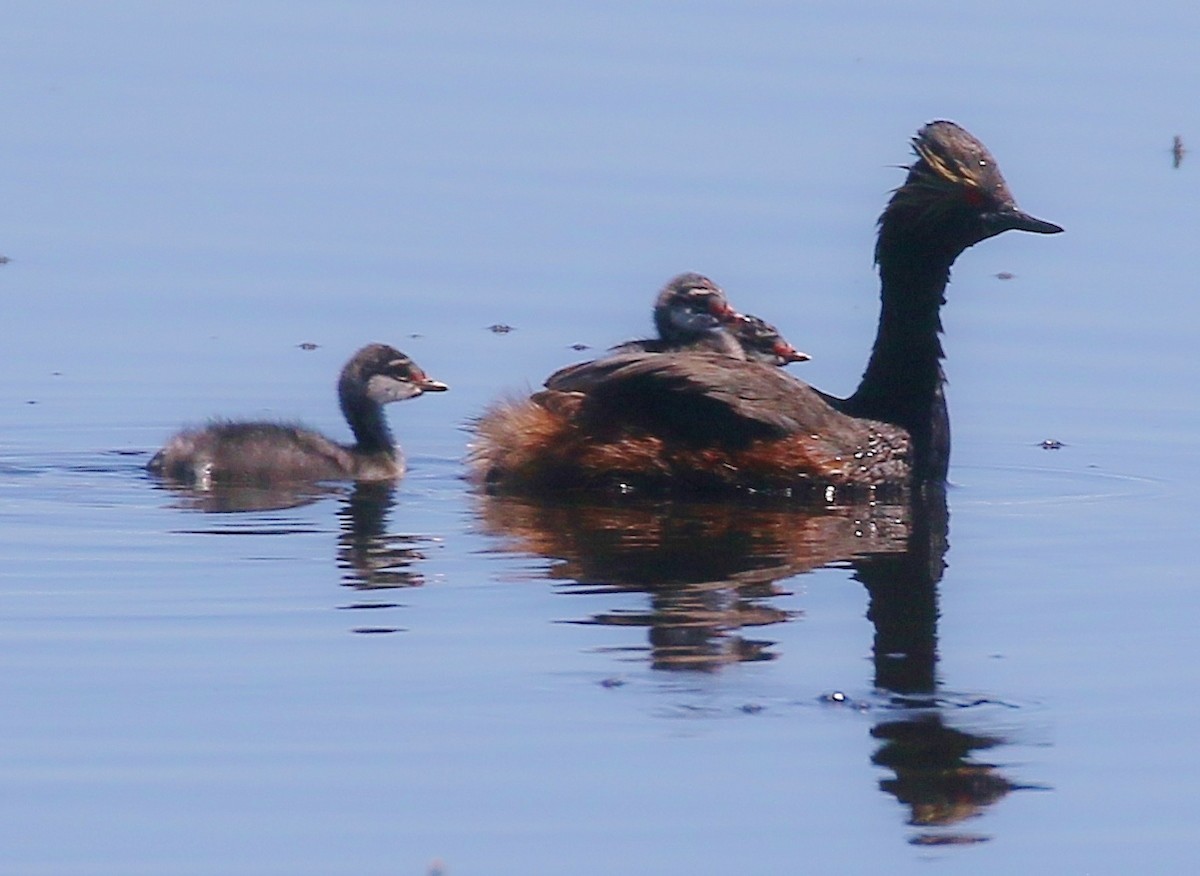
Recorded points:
(370,558)
(936,776)
(222,498)
(709,572)
(902,597)
(708,569)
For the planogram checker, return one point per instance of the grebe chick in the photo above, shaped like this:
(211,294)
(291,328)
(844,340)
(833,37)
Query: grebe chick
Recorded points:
(690,313)
(266,452)
(762,342)
(699,421)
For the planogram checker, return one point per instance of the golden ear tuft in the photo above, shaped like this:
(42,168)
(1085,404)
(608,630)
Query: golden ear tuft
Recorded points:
(946,167)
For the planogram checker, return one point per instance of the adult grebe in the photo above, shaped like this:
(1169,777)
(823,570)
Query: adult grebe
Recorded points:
(699,421)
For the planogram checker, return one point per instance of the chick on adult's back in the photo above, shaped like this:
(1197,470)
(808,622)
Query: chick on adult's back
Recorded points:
(705,421)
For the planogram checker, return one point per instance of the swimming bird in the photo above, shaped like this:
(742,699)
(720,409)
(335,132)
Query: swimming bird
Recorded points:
(702,421)
(265,453)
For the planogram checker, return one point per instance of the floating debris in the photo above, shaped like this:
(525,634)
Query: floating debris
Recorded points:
(1052,444)
(751,708)
(307,345)
(4,260)
(580,347)
(1177,152)
(1005,275)
(948,839)
(612,682)
(500,328)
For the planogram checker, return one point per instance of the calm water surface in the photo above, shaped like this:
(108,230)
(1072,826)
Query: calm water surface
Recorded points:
(375,680)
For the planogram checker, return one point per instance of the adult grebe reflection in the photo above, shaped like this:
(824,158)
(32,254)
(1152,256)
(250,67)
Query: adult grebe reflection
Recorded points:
(711,570)
(938,776)
(708,568)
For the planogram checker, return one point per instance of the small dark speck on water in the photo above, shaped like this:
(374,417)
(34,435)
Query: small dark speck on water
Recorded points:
(1052,444)
(1005,275)
(4,260)
(500,328)
(579,347)
(612,682)
(947,839)
(307,345)
(374,630)
(31,402)
(1177,153)
(752,708)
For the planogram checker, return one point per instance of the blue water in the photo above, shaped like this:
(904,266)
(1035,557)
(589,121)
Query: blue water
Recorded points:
(396,682)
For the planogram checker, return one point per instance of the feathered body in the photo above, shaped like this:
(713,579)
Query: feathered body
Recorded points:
(258,452)
(696,420)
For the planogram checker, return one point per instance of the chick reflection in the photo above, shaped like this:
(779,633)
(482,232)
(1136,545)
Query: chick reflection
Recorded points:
(707,568)
(224,498)
(693,625)
(370,558)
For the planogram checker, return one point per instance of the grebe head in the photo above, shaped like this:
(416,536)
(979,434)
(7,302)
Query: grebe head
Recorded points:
(953,198)
(763,342)
(690,306)
(382,374)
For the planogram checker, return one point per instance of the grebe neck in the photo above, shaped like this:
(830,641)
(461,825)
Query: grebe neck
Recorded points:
(368,423)
(903,382)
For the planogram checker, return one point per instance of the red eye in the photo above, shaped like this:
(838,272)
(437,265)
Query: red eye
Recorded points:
(974,197)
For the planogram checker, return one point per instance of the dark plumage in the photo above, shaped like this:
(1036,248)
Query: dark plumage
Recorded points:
(704,421)
(265,452)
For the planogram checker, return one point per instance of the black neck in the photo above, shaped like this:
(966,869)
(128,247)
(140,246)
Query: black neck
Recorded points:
(903,382)
(368,423)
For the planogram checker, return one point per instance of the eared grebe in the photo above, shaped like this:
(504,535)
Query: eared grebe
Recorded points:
(704,421)
(690,313)
(762,342)
(266,453)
